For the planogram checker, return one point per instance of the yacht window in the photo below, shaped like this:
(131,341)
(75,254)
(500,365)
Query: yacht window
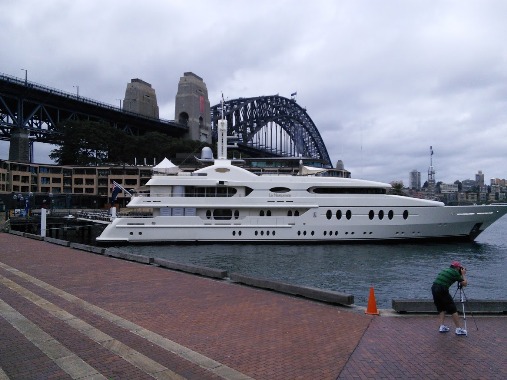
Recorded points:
(236,214)
(279,190)
(268,213)
(261,213)
(348,214)
(329,214)
(222,214)
(221,191)
(296,213)
(390,214)
(405,214)
(208,214)
(338,214)
(346,190)
(211,191)
(289,213)
(381,214)
(371,214)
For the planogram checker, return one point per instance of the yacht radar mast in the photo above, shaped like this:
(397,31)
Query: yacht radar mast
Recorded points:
(431,177)
(222,136)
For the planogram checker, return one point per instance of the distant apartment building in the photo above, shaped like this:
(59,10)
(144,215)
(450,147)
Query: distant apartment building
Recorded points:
(414,181)
(468,184)
(479,179)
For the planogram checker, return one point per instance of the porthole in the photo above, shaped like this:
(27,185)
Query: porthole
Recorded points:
(299,233)
(296,213)
(313,233)
(267,233)
(131,233)
(336,233)
(304,233)
(390,214)
(348,214)
(371,215)
(262,233)
(261,213)
(256,233)
(233,233)
(329,214)
(325,233)
(330,233)
(273,233)
(140,233)
(289,213)
(381,214)
(338,214)
(405,214)
(239,233)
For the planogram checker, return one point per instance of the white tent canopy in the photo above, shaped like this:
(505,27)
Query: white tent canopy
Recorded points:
(309,170)
(166,166)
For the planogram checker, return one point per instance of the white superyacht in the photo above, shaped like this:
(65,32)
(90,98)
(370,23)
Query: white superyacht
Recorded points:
(226,203)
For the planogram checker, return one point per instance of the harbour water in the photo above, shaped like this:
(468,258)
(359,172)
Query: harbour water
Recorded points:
(394,270)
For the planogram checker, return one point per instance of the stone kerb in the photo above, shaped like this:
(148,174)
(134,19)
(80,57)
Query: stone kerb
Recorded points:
(87,248)
(403,306)
(303,291)
(194,269)
(128,256)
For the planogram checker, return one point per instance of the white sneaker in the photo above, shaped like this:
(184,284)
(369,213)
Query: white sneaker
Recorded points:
(443,328)
(460,331)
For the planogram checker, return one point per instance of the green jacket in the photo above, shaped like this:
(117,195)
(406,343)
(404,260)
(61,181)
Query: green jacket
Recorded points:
(447,277)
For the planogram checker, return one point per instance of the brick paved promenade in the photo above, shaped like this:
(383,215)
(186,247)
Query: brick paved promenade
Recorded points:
(68,314)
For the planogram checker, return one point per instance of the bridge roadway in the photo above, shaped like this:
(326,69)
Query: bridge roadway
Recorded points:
(42,108)
(70,314)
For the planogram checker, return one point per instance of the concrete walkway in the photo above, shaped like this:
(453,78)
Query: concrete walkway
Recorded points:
(69,314)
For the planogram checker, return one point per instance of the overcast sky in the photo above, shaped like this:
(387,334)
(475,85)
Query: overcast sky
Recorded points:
(382,80)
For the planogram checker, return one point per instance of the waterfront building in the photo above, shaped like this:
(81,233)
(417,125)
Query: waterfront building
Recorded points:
(414,181)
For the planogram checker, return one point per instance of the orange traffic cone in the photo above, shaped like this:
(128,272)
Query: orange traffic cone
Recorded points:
(372,304)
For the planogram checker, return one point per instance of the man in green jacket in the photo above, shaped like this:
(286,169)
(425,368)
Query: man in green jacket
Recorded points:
(442,298)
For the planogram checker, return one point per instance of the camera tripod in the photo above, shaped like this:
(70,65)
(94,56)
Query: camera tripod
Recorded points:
(463,298)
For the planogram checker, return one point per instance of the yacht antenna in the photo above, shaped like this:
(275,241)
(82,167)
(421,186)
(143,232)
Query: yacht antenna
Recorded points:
(431,177)
(222,135)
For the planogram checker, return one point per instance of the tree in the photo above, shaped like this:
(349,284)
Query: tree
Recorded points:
(397,188)
(98,143)
(83,143)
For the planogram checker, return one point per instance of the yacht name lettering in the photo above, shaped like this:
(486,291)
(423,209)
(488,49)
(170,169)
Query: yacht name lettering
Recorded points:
(279,195)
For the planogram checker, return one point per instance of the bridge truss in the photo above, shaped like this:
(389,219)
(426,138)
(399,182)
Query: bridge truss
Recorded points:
(271,125)
(40,110)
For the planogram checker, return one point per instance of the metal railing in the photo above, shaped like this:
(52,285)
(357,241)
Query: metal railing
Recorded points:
(50,90)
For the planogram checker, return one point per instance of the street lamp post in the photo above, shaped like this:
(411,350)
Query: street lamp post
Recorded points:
(26,76)
(77,90)
(51,203)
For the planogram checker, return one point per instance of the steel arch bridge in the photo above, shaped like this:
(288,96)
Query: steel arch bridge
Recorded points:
(273,125)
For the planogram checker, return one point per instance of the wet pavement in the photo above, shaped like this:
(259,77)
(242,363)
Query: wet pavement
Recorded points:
(70,314)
